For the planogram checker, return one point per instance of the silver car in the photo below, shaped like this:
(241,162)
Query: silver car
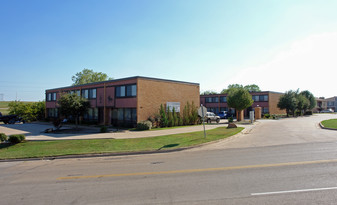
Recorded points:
(210,116)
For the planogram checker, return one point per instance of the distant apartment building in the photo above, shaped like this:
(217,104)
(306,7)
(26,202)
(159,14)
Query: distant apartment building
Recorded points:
(266,100)
(323,104)
(124,102)
(332,103)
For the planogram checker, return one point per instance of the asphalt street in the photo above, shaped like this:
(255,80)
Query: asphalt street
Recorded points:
(302,170)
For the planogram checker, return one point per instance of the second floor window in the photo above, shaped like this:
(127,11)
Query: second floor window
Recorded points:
(126,91)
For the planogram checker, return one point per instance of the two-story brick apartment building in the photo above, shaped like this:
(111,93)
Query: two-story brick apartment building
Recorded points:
(126,101)
(267,100)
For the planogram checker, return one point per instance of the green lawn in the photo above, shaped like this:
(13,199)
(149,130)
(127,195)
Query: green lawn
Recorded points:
(69,147)
(330,123)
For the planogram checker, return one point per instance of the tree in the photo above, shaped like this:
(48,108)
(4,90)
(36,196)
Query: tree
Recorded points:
(289,102)
(31,111)
(252,88)
(89,76)
(302,103)
(73,105)
(231,86)
(239,98)
(311,98)
(209,92)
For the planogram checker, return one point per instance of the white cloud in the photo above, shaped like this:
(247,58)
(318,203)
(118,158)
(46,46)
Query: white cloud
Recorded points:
(307,64)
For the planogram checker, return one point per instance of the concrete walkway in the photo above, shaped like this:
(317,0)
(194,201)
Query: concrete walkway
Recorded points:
(34,131)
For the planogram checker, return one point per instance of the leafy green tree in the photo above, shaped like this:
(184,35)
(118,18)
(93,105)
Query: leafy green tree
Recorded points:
(231,86)
(175,117)
(31,111)
(89,76)
(311,98)
(302,103)
(239,98)
(209,92)
(289,102)
(163,117)
(73,105)
(252,88)
(170,118)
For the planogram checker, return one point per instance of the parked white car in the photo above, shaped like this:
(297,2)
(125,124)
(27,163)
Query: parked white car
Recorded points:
(327,111)
(210,116)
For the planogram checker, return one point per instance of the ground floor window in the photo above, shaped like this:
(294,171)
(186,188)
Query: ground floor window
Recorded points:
(223,109)
(91,114)
(213,109)
(265,110)
(52,112)
(126,117)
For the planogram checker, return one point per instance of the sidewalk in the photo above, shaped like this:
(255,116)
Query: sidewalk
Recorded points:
(34,131)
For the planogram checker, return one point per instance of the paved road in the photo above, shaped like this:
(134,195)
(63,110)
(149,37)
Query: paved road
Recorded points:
(303,172)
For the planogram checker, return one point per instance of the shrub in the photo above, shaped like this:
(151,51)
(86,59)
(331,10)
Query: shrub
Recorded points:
(144,125)
(3,137)
(16,138)
(298,113)
(266,116)
(104,129)
(230,119)
(308,112)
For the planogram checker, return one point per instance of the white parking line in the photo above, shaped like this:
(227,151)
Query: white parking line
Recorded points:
(293,191)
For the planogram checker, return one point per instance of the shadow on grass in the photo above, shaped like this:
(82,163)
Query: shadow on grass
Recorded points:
(5,145)
(168,146)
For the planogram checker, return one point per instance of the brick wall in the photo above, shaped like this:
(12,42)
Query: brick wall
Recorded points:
(273,100)
(152,93)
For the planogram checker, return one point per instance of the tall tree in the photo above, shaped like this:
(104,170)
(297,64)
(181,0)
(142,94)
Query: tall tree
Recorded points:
(231,86)
(73,105)
(209,92)
(311,99)
(252,88)
(89,76)
(239,98)
(302,103)
(289,102)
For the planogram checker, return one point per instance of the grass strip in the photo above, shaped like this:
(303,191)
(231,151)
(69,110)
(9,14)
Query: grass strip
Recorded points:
(330,123)
(41,149)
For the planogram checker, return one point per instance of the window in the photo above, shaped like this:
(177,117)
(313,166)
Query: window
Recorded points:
(256,98)
(263,98)
(120,115)
(48,96)
(51,96)
(92,93)
(265,110)
(126,91)
(127,114)
(223,109)
(91,115)
(208,100)
(52,112)
(85,93)
(215,99)
(223,99)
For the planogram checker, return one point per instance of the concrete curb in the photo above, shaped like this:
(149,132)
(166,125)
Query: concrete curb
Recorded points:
(326,128)
(116,154)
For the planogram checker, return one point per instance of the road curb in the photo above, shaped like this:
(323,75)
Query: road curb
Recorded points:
(326,128)
(116,154)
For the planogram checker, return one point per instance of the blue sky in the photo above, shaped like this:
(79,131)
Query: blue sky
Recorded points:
(278,45)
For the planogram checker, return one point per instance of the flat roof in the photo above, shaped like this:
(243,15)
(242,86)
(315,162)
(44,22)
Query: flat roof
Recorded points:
(122,79)
(255,92)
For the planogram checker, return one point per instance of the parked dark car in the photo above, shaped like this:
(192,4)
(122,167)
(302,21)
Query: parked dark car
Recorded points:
(225,115)
(10,119)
